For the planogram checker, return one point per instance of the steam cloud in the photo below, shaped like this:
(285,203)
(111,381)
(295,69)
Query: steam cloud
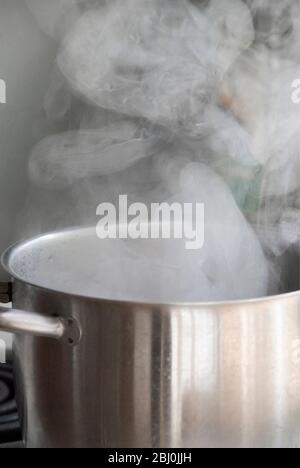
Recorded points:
(180,100)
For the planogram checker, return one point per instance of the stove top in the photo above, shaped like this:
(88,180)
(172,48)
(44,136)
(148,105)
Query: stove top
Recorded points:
(10,429)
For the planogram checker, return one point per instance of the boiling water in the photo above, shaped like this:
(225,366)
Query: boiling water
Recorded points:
(78,262)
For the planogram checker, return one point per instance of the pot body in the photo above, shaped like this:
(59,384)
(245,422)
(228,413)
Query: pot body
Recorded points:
(161,376)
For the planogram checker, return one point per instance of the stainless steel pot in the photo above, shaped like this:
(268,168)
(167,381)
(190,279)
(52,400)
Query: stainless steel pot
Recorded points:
(103,373)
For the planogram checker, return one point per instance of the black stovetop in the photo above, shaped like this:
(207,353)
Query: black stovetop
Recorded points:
(10,430)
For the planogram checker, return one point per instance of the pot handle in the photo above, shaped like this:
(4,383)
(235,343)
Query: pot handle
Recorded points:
(66,330)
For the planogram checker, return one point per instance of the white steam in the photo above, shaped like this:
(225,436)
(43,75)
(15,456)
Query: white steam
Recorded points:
(179,100)
(60,160)
(159,60)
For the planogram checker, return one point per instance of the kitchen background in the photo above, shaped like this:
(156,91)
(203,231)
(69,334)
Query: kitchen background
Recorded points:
(26,57)
(26,65)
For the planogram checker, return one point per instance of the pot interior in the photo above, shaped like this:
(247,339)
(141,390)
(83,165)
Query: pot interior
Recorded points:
(78,262)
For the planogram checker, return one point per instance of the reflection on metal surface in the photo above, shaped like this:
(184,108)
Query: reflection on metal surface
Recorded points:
(150,375)
(168,376)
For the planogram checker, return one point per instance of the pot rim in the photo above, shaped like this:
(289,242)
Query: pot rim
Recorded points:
(7,254)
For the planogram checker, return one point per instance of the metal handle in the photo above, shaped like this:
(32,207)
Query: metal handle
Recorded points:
(29,323)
